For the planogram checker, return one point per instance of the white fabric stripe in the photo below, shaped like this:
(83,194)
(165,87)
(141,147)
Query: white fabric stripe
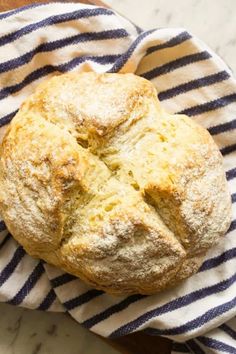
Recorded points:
(223,337)
(34,15)
(12,23)
(57,306)
(77,288)
(56,32)
(7,252)
(197,96)
(19,277)
(53,271)
(67,53)
(213,118)
(232,323)
(183,75)
(56,8)
(88,310)
(228,160)
(223,140)
(231,183)
(165,56)
(73,288)
(16,281)
(217,60)
(135,58)
(168,320)
(206,349)
(37,294)
(161,36)
(42,57)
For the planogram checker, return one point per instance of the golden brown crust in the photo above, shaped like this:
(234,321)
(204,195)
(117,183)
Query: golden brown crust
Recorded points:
(97,179)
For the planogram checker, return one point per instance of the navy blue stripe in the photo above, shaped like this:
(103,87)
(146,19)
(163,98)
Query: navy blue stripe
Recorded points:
(62,279)
(125,57)
(11,266)
(173,305)
(216,344)
(180,38)
(7,237)
(198,321)
(222,128)
(209,106)
(6,119)
(82,299)
(232,226)
(193,85)
(175,64)
(218,260)
(172,42)
(228,149)
(21,9)
(48,69)
(60,43)
(194,347)
(52,20)
(233,198)
(230,174)
(224,327)
(180,347)
(2,226)
(111,310)
(28,285)
(47,302)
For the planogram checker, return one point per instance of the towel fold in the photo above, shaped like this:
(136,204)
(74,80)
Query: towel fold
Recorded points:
(42,40)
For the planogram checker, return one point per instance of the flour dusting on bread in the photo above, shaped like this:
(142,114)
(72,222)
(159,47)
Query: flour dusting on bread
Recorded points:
(96,178)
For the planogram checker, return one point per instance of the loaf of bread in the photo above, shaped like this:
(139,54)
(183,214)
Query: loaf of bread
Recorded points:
(97,179)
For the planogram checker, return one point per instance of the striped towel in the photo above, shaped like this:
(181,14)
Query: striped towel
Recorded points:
(42,40)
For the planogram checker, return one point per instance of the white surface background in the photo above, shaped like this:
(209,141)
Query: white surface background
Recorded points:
(214,21)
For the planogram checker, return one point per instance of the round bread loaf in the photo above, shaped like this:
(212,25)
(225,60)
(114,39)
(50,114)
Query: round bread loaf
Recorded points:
(97,179)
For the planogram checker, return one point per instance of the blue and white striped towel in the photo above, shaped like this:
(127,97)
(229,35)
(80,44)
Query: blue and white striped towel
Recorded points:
(41,40)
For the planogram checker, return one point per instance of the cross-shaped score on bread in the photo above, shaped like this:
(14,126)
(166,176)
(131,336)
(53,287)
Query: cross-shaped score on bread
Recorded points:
(98,179)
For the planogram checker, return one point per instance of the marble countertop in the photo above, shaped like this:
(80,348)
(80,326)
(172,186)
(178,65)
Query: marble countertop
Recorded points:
(32,332)
(25,331)
(210,20)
